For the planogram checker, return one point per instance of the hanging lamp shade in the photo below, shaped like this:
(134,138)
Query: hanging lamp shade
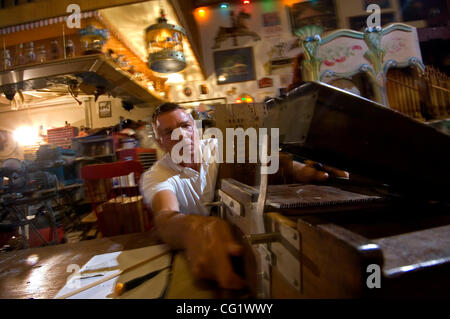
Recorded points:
(164,43)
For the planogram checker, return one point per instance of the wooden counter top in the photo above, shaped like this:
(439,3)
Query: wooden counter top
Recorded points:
(40,273)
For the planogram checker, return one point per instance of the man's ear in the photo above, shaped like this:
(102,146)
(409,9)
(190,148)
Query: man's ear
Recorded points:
(158,140)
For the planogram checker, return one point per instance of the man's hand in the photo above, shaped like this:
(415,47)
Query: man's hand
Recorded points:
(208,241)
(209,248)
(315,172)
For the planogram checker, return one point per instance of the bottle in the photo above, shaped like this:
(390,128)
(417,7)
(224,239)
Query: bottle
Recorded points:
(30,57)
(70,49)
(42,54)
(54,50)
(6,60)
(20,58)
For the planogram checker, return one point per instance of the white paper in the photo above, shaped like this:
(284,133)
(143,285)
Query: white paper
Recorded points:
(101,266)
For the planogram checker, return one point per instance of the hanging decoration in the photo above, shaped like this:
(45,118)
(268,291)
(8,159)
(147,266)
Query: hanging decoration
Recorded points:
(238,29)
(164,43)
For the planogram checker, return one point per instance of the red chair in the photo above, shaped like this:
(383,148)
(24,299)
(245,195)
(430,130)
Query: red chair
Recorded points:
(113,190)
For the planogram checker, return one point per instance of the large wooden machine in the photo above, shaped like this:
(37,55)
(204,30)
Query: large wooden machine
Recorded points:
(384,232)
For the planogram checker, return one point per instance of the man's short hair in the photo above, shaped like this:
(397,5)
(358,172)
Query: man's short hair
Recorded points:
(164,108)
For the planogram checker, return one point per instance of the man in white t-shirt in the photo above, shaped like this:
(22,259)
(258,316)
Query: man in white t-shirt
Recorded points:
(176,194)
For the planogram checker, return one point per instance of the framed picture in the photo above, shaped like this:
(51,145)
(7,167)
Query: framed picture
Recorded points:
(104,109)
(236,65)
(359,23)
(315,12)
(383,4)
(413,10)
(271,19)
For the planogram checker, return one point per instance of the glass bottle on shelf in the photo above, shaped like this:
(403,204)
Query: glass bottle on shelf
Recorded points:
(54,50)
(30,57)
(19,57)
(42,54)
(70,49)
(6,60)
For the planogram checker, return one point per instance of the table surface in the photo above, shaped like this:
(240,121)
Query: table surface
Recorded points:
(41,272)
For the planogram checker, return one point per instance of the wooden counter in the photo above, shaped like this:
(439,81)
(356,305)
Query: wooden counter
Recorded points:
(40,273)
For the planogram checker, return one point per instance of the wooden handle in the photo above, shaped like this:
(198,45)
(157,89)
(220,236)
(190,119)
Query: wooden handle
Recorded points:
(98,282)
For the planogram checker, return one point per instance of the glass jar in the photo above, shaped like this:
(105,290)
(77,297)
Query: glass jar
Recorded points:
(70,49)
(42,54)
(19,57)
(54,50)
(6,60)
(30,57)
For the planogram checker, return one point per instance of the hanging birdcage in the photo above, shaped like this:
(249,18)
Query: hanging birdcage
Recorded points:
(164,43)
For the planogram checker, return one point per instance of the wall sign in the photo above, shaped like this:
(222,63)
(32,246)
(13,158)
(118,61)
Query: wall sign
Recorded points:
(272,24)
(104,109)
(265,83)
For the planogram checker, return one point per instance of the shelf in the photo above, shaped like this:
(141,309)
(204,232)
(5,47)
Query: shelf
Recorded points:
(92,70)
(86,140)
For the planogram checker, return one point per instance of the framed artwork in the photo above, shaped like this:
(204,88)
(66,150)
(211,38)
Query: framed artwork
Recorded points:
(413,10)
(104,109)
(271,19)
(359,23)
(235,65)
(384,4)
(315,12)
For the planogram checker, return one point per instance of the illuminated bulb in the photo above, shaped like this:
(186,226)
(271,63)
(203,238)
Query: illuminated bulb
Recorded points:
(223,5)
(222,78)
(201,13)
(246,2)
(26,136)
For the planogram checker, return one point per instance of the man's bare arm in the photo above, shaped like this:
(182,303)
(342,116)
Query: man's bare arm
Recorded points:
(207,241)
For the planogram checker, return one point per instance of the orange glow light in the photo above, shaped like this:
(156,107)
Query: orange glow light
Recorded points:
(289,3)
(201,13)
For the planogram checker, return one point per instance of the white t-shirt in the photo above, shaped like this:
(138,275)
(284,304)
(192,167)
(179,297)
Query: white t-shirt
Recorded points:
(191,188)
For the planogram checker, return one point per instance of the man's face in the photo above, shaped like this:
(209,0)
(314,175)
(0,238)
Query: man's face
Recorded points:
(166,123)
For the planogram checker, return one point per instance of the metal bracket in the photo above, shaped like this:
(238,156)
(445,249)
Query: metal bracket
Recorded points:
(231,204)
